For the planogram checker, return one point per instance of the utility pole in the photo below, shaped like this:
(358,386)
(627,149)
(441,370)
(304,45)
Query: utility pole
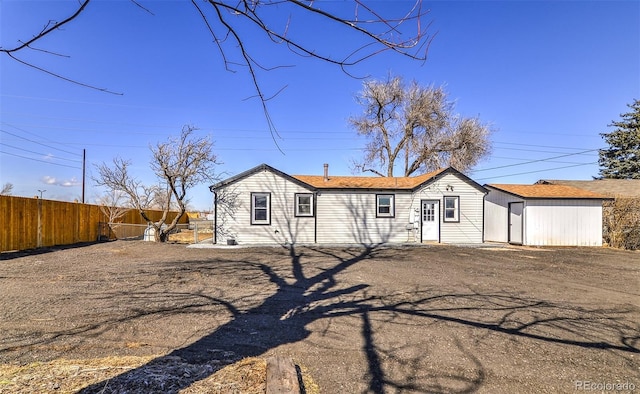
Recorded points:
(84,161)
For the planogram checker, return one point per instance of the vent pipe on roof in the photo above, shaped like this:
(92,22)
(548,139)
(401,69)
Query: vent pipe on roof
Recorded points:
(326,172)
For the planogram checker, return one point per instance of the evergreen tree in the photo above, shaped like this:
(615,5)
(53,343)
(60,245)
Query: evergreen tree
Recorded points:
(621,160)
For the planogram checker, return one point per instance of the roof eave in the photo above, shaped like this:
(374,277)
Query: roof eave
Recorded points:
(548,197)
(451,170)
(255,170)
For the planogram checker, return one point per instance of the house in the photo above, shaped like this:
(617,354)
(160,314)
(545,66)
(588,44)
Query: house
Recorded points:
(543,215)
(266,206)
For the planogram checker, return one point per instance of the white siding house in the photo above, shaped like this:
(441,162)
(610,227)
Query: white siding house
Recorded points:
(543,215)
(266,206)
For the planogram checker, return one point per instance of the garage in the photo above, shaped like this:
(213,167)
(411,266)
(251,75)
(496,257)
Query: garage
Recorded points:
(543,215)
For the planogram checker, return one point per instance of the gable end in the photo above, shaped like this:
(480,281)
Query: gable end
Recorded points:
(453,171)
(261,168)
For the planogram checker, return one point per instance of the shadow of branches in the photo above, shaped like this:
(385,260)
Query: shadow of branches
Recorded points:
(306,293)
(407,337)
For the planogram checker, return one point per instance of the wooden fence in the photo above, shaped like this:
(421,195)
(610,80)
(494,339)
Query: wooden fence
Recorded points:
(27,223)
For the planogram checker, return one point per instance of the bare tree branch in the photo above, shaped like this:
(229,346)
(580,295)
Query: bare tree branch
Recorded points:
(44,70)
(7,189)
(231,22)
(48,29)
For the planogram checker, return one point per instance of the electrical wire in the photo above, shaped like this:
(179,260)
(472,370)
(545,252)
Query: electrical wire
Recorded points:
(42,161)
(39,143)
(536,171)
(38,153)
(535,161)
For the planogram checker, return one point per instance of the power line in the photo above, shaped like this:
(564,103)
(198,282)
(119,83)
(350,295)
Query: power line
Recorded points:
(521,159)
(536,161)
(536,171)
(42,161)
(537,146)
(38,153)
(36,142)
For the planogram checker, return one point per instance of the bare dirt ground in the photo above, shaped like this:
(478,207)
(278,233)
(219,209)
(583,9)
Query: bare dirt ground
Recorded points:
(131,316)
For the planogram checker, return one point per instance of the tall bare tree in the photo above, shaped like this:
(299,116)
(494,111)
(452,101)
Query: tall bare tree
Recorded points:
(231,22)
(179,164)
(417,126)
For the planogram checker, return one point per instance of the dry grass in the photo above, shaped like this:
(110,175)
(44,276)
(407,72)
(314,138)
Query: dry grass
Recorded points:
(64,376)
(188,236)
(622,223)
(69,376)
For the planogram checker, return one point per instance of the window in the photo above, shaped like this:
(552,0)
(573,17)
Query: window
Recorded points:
(304,204)
(452,209)
(384,206)
(429,211)
(260,208)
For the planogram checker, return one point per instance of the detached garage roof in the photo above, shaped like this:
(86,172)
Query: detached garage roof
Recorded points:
(548,191)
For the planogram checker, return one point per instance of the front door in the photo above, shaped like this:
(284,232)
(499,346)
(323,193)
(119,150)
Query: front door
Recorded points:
(515,222)
(431,220)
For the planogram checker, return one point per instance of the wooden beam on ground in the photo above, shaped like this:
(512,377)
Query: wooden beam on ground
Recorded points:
(282,377)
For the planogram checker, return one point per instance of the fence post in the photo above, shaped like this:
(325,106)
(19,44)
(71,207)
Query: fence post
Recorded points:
(39,229)
(195,232)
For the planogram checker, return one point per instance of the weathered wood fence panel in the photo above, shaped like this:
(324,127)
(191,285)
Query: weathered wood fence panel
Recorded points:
(27,223)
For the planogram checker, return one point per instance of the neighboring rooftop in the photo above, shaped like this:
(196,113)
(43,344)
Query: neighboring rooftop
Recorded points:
(608,187)
(547,191)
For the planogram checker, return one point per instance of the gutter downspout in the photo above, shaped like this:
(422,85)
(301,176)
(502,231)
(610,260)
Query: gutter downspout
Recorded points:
(315,217)
(215,218)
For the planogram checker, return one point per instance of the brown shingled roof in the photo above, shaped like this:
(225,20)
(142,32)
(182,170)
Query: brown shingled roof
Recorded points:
(547,191)
(608,187)
(366,182)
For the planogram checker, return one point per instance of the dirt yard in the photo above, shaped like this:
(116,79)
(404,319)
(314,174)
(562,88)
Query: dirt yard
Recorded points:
(141,317)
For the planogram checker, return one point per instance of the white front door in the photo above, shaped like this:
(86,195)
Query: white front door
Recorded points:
(515,222)
(431,220)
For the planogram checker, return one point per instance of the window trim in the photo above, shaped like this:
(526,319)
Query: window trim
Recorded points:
(456,209)
(254,221)
(297,205)
(392,206)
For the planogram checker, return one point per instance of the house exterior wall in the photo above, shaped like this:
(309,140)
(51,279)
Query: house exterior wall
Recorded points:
(350,217)
(469,228)
(234,218)
(546,222)
(496,215)
(343,216)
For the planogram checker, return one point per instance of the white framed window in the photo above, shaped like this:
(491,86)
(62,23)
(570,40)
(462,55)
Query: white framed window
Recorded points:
(452,209)
(304,204)
(260,208)
(385,207)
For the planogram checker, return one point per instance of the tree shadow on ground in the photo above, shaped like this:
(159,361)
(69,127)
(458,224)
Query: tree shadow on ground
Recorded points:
(42,250)
(311,293)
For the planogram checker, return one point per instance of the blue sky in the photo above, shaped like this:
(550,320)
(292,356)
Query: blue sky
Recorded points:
(549,76)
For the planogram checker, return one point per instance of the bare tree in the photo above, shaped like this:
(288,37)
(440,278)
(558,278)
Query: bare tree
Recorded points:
(231,22)
(417,125)
(113,205)
(7,189)
(179,164)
